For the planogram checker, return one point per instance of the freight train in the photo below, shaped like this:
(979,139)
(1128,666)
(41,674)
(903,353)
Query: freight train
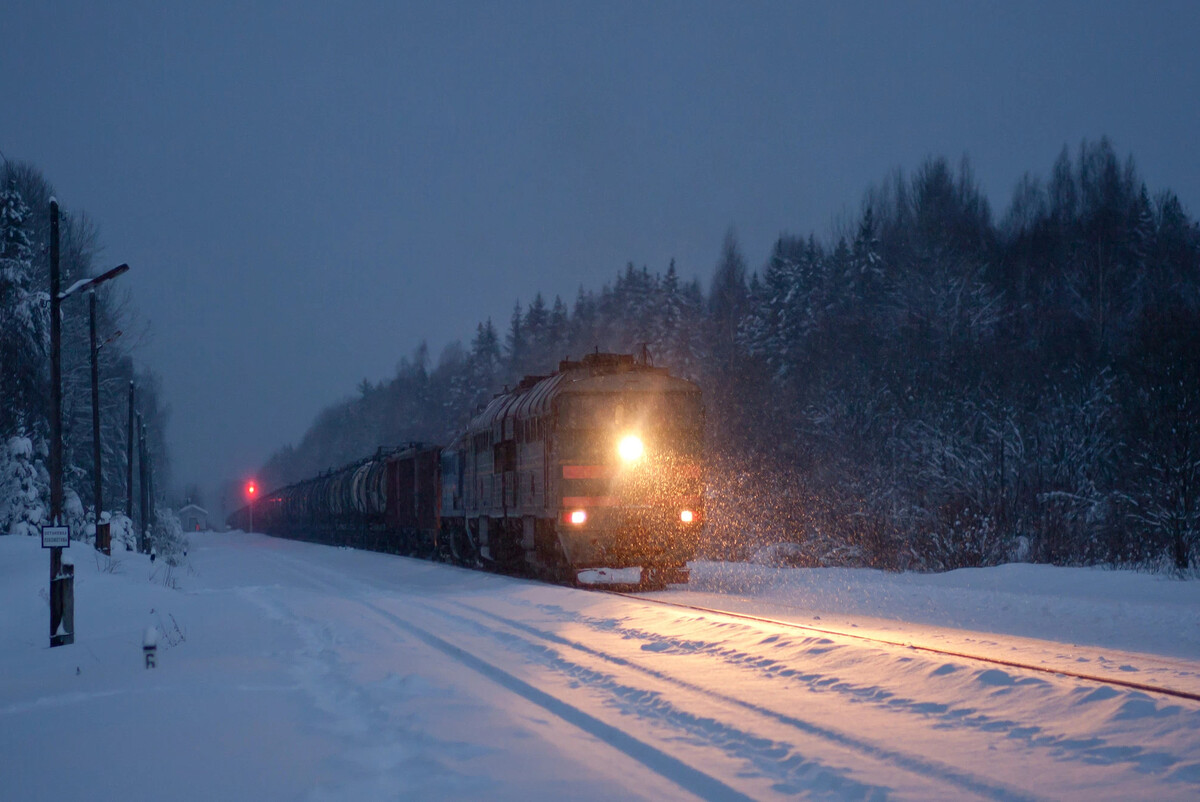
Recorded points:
(590,475)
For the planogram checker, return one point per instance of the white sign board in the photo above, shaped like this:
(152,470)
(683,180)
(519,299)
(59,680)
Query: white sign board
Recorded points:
(56,537)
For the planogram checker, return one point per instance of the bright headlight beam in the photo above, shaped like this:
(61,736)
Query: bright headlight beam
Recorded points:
(630,448)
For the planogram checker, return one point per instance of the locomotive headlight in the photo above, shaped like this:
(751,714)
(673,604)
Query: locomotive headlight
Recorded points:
(687,516)
(631,448)
(578,517)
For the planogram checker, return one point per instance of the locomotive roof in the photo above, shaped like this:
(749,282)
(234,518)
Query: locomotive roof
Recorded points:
(597,372)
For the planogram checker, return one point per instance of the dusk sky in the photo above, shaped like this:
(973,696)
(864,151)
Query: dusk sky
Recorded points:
(306,191)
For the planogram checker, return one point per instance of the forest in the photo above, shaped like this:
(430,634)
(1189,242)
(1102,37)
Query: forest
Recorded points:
(932,387)
(25,366)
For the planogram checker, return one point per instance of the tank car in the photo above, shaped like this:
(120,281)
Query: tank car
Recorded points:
(386,502)
(581,475)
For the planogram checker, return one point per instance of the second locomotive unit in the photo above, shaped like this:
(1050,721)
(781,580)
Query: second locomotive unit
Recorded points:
(572,476)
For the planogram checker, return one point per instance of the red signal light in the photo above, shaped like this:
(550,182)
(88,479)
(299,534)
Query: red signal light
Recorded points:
(251,489)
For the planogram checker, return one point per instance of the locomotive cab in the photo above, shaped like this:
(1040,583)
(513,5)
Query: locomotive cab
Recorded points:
(628,452)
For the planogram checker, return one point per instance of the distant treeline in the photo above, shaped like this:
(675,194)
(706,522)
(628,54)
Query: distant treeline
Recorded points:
(929,389)
(25,365)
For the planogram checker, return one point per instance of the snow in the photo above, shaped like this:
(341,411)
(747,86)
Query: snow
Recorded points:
(294,671)
(610,576)
(1124,610)
(83,282)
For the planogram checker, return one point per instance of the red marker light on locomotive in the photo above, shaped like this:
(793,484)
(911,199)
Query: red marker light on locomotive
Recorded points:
(578,517)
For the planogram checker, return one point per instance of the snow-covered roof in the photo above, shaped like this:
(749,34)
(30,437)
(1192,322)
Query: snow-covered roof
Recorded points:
(192,508)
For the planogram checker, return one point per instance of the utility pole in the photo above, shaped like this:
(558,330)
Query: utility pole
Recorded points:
(150,506)
(56,489)
(142,484)
(97,479)
(102,542)
(129,461)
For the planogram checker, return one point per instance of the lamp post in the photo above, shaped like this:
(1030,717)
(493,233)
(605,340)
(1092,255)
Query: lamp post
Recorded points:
(129,460)
(61,584)
(143,514)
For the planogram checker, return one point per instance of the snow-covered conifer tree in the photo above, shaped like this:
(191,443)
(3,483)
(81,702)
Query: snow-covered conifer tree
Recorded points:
(24,483)
(23,319)
(24,487)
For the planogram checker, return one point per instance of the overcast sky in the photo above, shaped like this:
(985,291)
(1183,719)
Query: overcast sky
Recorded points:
(306,190)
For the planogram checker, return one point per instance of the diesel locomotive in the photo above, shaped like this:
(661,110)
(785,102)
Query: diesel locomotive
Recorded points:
(592,474)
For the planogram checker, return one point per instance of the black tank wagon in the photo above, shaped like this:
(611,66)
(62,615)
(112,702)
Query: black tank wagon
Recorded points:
(387,502)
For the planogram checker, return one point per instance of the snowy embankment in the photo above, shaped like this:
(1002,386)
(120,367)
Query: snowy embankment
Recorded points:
(1137,626)
(1124,610)
(289,670)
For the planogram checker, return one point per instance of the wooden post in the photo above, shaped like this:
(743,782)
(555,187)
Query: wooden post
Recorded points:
(62,595)
(56,488)
(97,470)
(143,537)
(129,460)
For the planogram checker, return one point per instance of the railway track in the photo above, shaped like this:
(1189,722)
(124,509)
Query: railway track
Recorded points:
(1022,665)
(1147,687)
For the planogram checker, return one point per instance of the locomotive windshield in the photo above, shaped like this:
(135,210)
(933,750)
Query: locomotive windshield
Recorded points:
(652,410)
(590,424)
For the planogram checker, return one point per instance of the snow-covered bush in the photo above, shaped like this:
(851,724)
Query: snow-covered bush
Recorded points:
(74,515)
(24,488)
(168,540)
(124,537)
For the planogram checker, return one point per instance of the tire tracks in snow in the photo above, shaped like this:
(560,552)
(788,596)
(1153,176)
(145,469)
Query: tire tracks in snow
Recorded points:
(395,761)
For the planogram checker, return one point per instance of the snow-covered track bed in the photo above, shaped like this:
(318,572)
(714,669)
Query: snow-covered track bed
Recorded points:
(723,706)
(1049,661)
(676,726)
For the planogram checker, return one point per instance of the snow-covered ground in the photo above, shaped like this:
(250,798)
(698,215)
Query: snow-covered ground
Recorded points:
(289,670)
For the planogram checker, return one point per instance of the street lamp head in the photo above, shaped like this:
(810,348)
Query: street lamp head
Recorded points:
(116,271)
(92,283)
